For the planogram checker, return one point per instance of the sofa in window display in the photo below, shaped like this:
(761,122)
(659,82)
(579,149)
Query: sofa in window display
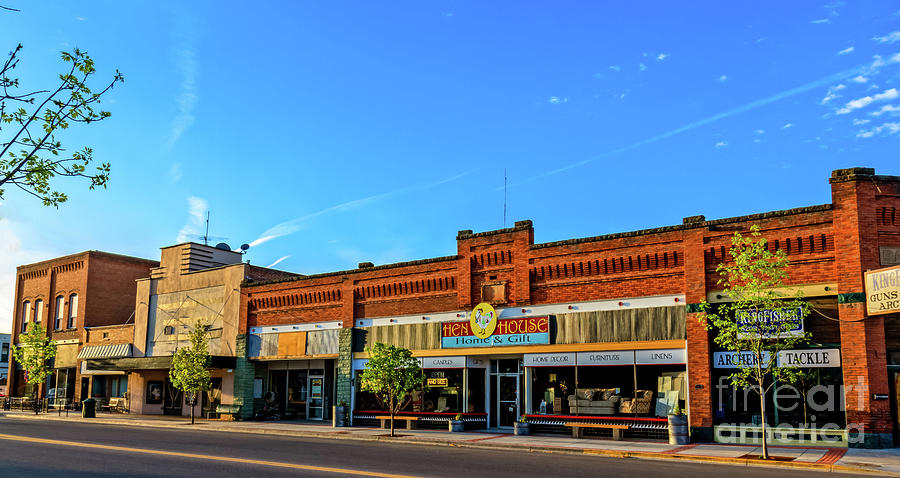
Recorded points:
(594,401)
(640,404)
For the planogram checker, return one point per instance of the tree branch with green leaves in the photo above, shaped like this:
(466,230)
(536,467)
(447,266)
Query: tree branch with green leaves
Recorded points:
(190,366)
(31,155)
(33,354)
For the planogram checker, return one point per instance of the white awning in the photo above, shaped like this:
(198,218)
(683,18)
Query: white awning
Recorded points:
(105,351)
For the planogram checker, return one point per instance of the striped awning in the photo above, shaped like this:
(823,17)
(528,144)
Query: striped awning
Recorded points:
(105,351)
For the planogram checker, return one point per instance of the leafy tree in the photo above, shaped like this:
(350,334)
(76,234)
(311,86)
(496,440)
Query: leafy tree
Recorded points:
(392,374)
(30,154)
(33,355)
(760,319)
(190,367)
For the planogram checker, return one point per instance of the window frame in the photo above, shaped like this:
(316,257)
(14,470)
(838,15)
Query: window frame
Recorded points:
(58,312)
(73,311)
(26,311)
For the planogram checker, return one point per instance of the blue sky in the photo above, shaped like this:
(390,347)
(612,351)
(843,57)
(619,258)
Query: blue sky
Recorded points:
(329,134)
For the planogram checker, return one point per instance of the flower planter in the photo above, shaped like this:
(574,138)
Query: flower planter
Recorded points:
(521,428)
(678,430)
(456,425)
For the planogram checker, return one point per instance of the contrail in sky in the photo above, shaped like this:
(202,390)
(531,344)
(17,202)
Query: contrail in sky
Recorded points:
(276,262)
(296,224)
(712,119)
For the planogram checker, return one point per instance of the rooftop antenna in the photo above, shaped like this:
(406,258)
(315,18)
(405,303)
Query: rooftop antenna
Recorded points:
(504,198)
(206,236)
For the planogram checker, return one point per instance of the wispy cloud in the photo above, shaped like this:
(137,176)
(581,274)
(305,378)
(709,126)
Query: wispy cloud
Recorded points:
(891,110)
(759,132)
(821,21)
(175,172)
(789,125)
(859,79)
(615,68)
(860,122)
(642,66)
(187,95)
(846,50)
(859,103)
(555,100)
(721,144)
(14,252)
(842,75)
(197,208)
(299,223)
(832,94)
(723,78)
(892,37)
(662,56)
(277,262)
(80,19)
(886,128)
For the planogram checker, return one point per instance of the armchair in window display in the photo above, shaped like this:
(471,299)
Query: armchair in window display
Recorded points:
(594,401)
(640,404)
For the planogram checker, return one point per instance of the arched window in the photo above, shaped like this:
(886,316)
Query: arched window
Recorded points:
(58,312)
(26,312)
(38,311)
(73,310)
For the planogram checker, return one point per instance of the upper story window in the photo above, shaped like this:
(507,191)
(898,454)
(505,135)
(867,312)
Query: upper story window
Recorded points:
(38,311)
(26,312)
(58,312)
(73,310)
(4,352)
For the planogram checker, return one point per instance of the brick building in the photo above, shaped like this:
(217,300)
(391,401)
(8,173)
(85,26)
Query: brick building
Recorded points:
(602,329)
(69,296)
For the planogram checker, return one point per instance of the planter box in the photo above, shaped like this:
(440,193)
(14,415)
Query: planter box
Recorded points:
(521,428)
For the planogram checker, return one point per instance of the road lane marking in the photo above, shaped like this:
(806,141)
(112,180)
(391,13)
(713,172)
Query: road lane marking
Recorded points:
(278,464)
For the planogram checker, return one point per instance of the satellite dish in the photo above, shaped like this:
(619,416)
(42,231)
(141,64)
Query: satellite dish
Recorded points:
(223,246)
(244,247)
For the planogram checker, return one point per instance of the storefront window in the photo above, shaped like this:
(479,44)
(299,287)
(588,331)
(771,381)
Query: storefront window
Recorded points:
(551,388)
(443,391)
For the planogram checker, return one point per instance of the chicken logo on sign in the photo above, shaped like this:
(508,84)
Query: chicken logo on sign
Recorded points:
(483,320)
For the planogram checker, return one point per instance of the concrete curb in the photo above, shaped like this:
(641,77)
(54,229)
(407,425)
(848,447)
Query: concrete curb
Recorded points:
(419,441)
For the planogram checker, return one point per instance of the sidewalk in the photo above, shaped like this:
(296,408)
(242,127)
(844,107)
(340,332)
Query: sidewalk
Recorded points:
(882,462)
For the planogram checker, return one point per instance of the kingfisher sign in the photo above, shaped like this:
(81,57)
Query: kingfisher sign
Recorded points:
(485,329)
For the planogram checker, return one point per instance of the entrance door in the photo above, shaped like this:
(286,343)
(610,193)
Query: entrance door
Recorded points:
(508,400)
(315,404)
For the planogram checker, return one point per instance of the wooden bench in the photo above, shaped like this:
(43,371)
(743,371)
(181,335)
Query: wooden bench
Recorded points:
(578,429)
(410,421)
(226,411)
(118,405)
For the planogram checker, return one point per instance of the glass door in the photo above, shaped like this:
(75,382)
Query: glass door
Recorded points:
(315,404)
(508,399)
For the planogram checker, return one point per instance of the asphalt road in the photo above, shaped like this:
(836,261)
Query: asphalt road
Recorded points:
(50,448)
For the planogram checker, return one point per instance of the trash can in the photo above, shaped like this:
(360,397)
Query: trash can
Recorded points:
(89,408)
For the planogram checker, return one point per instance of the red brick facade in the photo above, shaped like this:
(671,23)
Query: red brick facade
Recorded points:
(104,284)
(827,244)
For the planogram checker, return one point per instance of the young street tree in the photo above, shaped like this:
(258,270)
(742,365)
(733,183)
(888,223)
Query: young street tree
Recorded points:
(392,374)
(30,153)
(33,355)
(190,367)
(761,320)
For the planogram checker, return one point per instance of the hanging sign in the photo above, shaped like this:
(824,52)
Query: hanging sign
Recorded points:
(443,362)
(770,323)
(659,357)
(614,357)
(549,360)
(519,331)
(883,291)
